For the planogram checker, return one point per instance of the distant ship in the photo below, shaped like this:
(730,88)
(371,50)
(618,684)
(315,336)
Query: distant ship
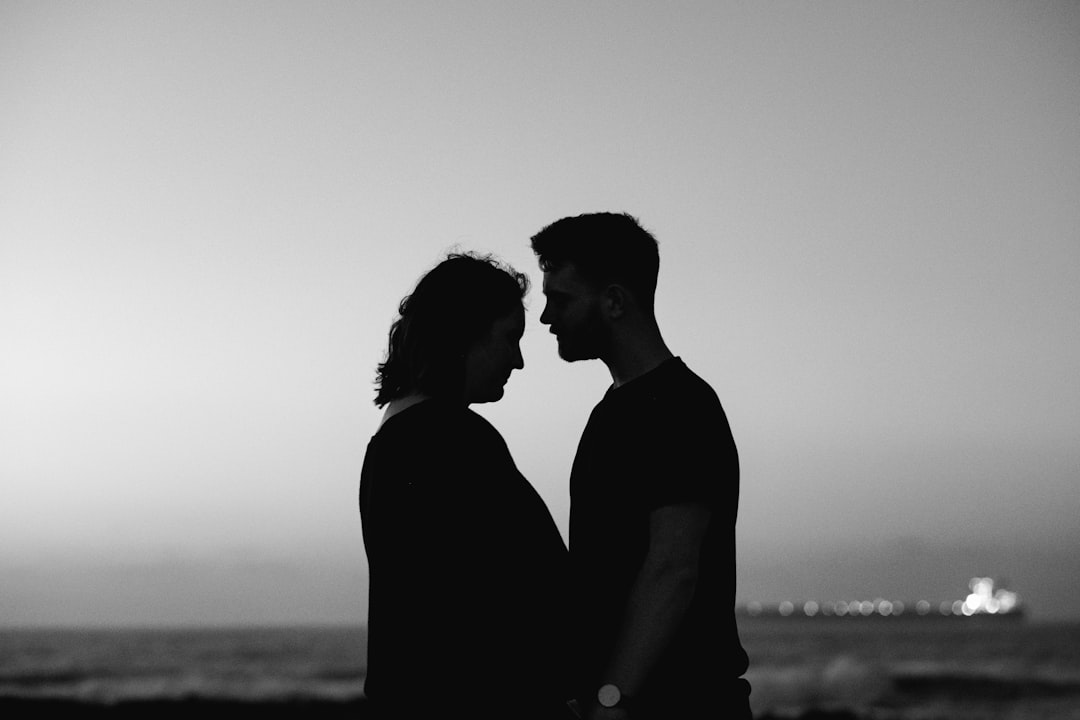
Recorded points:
(984,601)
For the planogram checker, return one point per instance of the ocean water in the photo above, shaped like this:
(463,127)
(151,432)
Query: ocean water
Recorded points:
(875,669)
(245,665)
(914,668)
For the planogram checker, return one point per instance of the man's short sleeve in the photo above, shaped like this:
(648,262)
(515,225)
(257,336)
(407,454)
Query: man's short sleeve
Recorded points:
(692,456)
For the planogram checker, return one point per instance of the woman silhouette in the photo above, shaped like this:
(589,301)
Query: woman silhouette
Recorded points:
(466,564)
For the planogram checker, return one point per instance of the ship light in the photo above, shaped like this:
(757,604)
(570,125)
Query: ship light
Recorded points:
(985,599)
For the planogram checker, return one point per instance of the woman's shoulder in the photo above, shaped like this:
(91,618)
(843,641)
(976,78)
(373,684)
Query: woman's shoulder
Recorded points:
(437,422)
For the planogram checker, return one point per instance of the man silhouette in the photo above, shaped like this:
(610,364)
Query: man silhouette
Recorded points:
(654,491)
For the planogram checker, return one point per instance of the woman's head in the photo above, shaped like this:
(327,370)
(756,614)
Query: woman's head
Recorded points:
(457,333)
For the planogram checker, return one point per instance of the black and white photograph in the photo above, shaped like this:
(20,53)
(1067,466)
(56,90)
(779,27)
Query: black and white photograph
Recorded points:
(592,359)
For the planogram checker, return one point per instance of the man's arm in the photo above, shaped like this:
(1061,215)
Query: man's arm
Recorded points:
(660,597)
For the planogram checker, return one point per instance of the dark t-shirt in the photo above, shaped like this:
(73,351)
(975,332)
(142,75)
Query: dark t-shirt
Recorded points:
(467,569)
(661,439)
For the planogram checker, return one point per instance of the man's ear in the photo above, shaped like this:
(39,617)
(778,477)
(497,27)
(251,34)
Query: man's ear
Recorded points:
(615,301)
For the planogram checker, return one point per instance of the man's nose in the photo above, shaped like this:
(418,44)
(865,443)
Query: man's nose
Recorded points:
(545,317)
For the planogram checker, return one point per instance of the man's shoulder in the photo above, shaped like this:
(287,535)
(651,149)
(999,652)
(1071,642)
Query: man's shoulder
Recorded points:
(674,403)
(678,389)
(691,382)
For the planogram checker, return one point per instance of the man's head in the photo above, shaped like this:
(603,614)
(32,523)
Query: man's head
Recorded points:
(598,269)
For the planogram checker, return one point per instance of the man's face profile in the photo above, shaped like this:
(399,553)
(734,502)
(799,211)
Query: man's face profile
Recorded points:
(572,311)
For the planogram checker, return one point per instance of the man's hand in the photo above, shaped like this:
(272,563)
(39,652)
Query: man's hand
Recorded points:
(599,712)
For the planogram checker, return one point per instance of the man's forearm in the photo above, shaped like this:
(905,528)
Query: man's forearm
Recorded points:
(663,591)
(654,612)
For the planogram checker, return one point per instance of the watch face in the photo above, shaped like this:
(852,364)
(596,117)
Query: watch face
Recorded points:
(608,696)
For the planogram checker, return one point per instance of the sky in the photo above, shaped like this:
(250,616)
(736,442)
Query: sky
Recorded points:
(869,226)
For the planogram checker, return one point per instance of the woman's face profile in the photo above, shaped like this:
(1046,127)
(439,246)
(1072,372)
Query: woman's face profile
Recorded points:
(492,358)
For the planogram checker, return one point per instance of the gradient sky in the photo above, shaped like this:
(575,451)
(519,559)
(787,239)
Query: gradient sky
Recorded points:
(869,220)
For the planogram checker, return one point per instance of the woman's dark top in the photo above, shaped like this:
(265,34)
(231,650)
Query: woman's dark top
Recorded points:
(467,607)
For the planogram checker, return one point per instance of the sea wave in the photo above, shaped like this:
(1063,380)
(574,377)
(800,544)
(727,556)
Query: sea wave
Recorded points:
(865,688)
(845,682)
(284,665)
(987,687)
(187,687)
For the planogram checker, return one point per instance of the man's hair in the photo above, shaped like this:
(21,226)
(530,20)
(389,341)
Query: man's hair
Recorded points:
(454,305)
(604,248)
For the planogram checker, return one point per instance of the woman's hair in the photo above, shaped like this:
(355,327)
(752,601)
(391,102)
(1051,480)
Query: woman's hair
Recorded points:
(453,306)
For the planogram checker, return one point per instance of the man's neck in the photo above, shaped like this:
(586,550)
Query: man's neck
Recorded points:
(634,356)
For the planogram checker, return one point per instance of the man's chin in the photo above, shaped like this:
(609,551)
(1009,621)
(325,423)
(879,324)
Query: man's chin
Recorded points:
(571,354)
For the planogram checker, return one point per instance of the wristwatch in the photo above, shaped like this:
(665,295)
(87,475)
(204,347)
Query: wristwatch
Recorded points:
(609,696)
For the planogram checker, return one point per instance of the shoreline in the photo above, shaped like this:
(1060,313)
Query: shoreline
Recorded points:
(264,710)
(12,707)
